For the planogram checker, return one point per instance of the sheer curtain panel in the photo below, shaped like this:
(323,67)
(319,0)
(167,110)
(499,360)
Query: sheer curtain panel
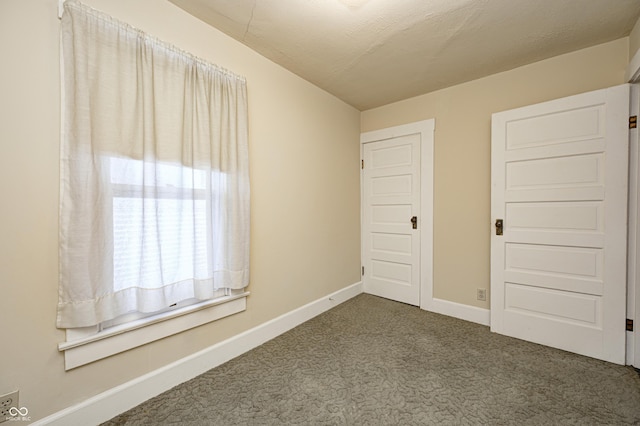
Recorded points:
(154,203)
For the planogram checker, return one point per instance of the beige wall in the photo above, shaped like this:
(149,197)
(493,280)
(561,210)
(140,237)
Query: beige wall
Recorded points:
(634,39)
(304,153)
(462,159)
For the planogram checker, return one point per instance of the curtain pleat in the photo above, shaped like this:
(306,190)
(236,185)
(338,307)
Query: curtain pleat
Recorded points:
(154,201)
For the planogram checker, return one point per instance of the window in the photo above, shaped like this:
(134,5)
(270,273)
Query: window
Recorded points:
(142,253)
(154,210)
(173,245)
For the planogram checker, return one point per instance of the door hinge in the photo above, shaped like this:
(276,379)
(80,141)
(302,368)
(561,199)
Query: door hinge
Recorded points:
(633,122)
(363,270)
(629,324)
(362,164)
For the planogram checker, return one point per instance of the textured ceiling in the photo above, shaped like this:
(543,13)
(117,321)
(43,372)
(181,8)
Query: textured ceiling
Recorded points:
(373,52)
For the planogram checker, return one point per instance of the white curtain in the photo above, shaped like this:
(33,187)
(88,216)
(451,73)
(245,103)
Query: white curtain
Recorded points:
(154,203)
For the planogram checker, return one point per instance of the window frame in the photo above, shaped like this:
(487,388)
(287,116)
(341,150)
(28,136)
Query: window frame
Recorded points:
(86,345)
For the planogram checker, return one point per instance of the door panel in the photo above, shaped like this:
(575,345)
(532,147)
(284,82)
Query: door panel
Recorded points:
(561,127)
(391,243)
(559,181)
(555,267)
(570,262)
(390,215)
(382,156)
(561,306)
(576,217)
(556,173)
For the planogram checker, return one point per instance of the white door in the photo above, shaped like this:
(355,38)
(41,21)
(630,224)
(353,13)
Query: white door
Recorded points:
(559,183)
(391,197)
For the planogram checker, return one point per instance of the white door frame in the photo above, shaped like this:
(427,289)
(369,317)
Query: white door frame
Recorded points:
(426,130)
(633,262)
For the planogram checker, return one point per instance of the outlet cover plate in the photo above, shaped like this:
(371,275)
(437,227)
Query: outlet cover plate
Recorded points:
(482,294)
(6,402)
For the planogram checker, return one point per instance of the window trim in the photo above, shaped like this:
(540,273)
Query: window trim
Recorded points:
(96,346)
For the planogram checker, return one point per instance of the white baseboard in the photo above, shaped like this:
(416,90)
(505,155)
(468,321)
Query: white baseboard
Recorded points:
(109,404)
(458,310)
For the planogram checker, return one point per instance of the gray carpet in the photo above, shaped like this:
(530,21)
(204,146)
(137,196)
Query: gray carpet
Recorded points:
(371,361)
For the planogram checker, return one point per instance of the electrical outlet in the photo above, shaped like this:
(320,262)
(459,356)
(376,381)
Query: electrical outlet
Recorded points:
(6,402)
(481,294)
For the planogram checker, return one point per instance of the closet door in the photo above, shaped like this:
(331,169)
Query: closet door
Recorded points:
(559,207)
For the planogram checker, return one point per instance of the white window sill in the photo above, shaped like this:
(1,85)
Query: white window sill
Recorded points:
(83,350)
